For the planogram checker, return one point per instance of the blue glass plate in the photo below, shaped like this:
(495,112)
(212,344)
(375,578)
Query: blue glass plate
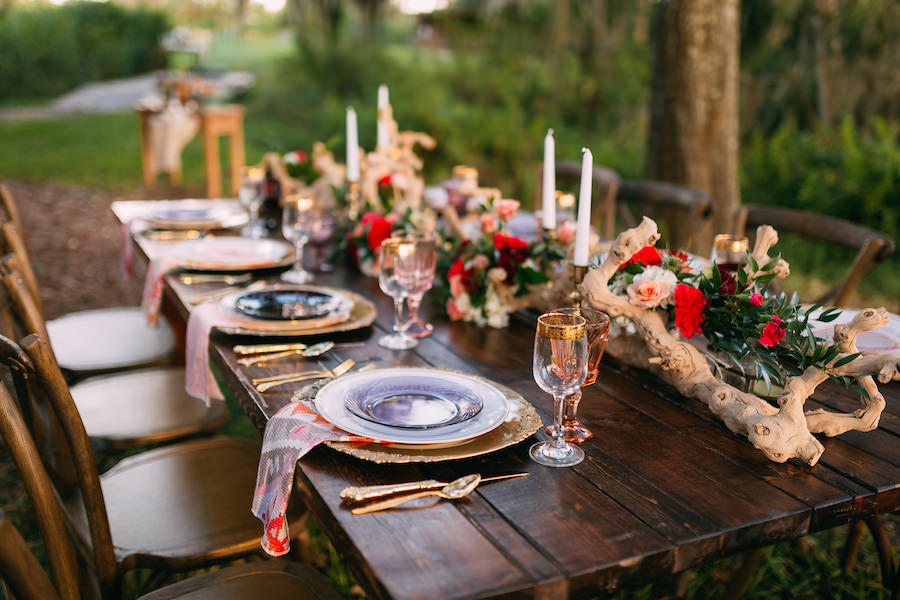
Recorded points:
(414,402)
(286,305)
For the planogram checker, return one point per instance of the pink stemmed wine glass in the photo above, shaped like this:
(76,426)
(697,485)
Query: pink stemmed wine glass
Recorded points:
(597,327)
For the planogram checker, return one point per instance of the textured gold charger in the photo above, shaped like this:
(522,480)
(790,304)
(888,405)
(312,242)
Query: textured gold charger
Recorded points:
(522,422)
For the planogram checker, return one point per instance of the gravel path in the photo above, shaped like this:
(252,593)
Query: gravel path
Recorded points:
(75,243)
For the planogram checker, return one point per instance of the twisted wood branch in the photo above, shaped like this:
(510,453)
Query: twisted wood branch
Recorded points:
(781,432)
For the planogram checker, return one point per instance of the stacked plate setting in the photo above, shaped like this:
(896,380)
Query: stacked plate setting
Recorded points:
(413,407)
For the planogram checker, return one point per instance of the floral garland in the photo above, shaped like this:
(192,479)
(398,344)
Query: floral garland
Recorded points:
(476,269)
(299,165)
(736,315)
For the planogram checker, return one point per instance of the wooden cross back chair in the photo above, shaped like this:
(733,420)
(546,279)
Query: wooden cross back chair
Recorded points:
(137,408)
(606,186)
(82,343)
(73,577)
(666,203)
(176,508)
(872,246)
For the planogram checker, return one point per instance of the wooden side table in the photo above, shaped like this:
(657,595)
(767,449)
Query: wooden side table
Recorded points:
(225,120)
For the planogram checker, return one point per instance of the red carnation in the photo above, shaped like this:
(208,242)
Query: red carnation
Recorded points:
(756,299)
(301,155)
(369,217)
(772,333)
(456,268)
(647,256)
(386,180)
(378,232)
(689,305)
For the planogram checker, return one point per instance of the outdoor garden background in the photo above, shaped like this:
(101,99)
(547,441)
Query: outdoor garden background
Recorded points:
(819,107)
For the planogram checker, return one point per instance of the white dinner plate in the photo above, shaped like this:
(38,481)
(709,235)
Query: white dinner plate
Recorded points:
(199,214)
(885,340)
(231,253)
(329,403)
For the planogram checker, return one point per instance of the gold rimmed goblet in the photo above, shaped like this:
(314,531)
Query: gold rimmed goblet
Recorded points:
(559,367)
(597,327)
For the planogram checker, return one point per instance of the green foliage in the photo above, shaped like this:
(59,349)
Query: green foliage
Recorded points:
(47,50)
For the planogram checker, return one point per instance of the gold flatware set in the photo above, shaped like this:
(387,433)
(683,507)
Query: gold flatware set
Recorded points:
(401,493)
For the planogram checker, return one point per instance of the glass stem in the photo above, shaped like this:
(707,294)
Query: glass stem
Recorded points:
(254,213)
(413,302)
(558,407)
(298,259)
(398,314)
(571,408)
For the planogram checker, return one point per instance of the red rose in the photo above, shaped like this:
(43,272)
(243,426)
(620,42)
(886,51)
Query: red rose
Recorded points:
(456,268)
(301,155)
(772,333)
(756,299)
(386,180)
(647,256)
(729,285)
(514,243)
(369,217)
(689,305)
(378,232)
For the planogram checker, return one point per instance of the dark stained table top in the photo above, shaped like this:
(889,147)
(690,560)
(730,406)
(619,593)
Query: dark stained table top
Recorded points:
(665,485)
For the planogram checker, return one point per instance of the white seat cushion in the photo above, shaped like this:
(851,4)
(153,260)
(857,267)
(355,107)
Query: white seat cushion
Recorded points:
(109,338)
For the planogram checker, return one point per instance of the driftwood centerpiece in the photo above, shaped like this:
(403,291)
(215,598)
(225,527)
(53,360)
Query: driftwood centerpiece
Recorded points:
(781,432)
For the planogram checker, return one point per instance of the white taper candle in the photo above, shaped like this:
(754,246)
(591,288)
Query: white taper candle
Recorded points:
(583,231)
(383,101)
(352,146)
(549,191)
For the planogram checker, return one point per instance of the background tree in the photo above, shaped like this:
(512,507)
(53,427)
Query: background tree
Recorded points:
(693,134)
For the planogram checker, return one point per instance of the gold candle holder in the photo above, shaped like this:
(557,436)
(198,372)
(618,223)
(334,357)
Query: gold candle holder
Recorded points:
(352,197)
(578,274)
(551,234)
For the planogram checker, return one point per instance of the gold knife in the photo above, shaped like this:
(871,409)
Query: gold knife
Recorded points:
(359,494)
(266,348)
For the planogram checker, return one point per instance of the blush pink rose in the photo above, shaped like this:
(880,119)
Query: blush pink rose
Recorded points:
(647,293)
(488,223)
(481,261)
(456,285)
(506,208)
(565,232)
(453,312)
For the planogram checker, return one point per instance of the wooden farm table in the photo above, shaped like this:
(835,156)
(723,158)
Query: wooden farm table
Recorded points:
(664,486)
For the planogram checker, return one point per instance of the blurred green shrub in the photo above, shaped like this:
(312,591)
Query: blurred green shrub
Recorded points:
(47,50)
(847,172)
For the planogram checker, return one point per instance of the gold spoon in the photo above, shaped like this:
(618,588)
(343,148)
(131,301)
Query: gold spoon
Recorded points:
(306,352)
(456,489)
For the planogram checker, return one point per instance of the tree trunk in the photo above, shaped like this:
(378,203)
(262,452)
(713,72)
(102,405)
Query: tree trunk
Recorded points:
(693,137)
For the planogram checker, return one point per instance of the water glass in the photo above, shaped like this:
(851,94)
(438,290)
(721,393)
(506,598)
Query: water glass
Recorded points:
(597,326)
(296,226)
(398,279)
(729,251)
(426,253)
(250,194)
(560,366)
(323,228)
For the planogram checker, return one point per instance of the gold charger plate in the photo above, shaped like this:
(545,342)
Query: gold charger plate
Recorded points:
(362,314)
(522,422)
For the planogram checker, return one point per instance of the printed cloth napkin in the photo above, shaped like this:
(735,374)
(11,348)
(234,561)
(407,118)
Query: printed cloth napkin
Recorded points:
(200,382)
(290,434)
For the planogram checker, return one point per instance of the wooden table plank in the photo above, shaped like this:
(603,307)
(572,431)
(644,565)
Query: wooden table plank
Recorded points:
(665,485)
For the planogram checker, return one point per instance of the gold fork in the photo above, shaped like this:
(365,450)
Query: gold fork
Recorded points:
(267,383)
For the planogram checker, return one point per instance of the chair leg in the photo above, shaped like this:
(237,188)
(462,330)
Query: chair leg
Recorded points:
(851,546)
(747,570)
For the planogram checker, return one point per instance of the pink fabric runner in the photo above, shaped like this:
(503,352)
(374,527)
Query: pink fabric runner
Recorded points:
(290,434)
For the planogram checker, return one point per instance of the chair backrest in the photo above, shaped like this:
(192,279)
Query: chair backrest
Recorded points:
(15,566)
(65,449)
(19,313)
(666,203)
(603,204)
(872,246)
(10,208)
(14,243)
(19,569)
